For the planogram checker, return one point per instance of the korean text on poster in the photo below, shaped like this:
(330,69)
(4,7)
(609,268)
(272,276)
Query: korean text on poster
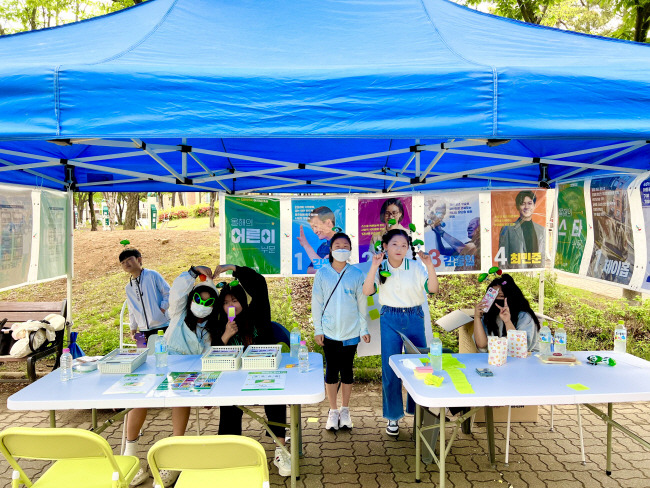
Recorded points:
(572,227)
(16,236)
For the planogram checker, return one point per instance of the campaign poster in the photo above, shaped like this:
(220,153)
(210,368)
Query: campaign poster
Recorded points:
(645,205)
(313,223)
(519,228)
(613,255)
(375,216)
(572,226)
(53,236)
(15,236)
(452,231)
(253,233)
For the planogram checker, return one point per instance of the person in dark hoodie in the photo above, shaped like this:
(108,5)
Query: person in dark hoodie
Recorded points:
(249,295)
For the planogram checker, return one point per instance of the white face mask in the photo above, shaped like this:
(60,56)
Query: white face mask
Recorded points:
(200,311)
(341,255)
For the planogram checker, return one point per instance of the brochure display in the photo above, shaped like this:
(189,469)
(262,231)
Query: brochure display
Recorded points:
(122,361)
(222,358)
(135,383)
(191,382)
(261,357)
(256,381)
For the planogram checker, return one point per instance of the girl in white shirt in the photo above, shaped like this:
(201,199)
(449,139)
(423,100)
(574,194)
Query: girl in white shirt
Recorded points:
(401,285)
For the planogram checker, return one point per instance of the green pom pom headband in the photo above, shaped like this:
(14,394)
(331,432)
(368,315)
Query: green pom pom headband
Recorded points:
(493,270)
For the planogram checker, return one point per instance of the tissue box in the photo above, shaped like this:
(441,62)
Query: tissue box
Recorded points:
(517,344)
(497,350)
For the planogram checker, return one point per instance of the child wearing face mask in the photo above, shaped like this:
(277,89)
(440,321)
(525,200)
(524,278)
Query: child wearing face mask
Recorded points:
(338,308)
(401,285)
(192,320)
(249,296)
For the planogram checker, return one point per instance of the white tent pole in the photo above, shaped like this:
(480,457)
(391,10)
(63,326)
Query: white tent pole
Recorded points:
(406,165)
(69,254)
(19,167)
(432,164)
(184,158)
(36,173)
(417,160)
(207,170)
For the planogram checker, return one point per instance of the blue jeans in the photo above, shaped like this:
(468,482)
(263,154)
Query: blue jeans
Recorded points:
(410,322)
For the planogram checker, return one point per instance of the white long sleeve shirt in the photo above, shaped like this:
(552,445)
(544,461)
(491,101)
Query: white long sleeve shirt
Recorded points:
(146,295)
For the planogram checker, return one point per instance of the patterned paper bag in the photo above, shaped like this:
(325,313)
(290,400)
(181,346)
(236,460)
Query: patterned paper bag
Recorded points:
(497,350)
(517,344)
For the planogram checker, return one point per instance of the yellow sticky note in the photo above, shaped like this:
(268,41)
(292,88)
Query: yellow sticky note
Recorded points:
(433,380)
(290,366)
(312,420)
(371,301)
(578,387)
(373,314)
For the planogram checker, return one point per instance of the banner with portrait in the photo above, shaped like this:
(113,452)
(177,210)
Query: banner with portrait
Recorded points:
(519,229)
(376,217)
(452,231)
(252,236)
(612,258)
(53,236)
(15,236)
(645,206)
(313,223)
(572,226)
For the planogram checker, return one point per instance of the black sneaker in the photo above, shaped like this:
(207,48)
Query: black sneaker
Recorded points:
(392,428)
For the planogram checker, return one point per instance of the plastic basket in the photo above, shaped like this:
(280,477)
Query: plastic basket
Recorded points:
(222,358)
(122,361)
(262,357)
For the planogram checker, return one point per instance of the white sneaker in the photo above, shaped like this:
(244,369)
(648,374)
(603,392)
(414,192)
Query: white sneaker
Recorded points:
(333,420)
(392,428)
(140,477)
(168,477)
(283,462)
(345,422)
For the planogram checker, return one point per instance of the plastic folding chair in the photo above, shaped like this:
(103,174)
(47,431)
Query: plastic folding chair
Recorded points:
(83,459)
(215,460)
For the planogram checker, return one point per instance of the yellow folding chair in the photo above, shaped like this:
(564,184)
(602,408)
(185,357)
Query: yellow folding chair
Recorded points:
(211,461)
(83,459)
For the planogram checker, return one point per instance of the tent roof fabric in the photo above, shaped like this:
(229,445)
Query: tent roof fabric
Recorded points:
(305,82)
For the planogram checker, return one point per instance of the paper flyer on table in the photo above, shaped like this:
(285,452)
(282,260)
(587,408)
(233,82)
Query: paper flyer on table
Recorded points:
(135,383)
(188,382)
(256,381)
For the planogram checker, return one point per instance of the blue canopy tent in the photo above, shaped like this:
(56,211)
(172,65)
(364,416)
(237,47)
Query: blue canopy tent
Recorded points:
(316,96)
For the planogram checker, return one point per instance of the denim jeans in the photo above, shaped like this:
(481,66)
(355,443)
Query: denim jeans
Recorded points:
(410,322)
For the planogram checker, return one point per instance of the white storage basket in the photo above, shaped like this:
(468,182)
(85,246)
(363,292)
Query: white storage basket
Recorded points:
(222,358)
(122,361)
(262,357)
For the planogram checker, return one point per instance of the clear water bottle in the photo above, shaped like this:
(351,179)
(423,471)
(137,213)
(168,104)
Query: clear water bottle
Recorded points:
(545,339)
(560,339)
(295,341)
(303,357)
(65,367)
(435,352)
(620,337)
(161,350)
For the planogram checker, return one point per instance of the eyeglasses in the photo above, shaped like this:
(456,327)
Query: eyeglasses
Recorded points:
(206,303)
(396,213)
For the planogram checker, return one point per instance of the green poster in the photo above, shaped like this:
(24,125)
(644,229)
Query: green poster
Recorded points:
(253,233)
(572,227)
(53,236)
(15,236)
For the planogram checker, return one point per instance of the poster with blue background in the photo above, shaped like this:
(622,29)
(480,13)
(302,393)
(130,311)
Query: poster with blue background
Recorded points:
(312,222)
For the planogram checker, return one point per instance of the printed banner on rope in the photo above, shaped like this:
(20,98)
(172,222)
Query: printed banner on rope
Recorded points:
(253,233)
(452,231)
(613,255)
(645,205)
(572,226)
(53,236)
(16,236)
(519,228)
(375,216)
(313,223)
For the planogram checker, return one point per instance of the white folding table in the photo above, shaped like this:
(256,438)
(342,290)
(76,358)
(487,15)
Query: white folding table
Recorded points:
(527,382)
(86,391)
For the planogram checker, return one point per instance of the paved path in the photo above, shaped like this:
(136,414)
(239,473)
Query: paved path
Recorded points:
(367,457)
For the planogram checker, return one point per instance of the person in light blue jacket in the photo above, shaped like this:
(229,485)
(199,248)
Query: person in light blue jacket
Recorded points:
(338,308)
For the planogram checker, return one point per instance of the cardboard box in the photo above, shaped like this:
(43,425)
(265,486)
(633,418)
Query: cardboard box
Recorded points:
(519,413)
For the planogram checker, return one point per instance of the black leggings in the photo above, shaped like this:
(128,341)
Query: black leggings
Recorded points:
(338,359)
(230,419)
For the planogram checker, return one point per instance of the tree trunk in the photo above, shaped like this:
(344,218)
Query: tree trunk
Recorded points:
(91,206)
(111,201)
(213,199)
(132,204)
(173,199)
(180,199)
(160,201)
(119,201)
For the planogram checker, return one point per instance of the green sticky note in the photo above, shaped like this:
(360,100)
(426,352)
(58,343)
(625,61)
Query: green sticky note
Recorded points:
(371,301)
(449,362)
(425,361)
(460,382)
(578,387)
(373,314)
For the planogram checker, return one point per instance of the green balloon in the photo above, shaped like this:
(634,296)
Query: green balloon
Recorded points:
(392,222)
(385,274)
(234,282)
(412,226)
(125,242)
(418,242)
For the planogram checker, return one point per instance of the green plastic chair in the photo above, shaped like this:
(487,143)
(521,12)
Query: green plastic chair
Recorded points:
(211,461)
(83,459)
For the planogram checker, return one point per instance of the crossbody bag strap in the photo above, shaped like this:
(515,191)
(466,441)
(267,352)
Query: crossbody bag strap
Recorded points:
(332,294)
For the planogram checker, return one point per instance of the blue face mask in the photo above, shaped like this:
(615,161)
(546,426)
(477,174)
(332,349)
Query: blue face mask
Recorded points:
(341,255)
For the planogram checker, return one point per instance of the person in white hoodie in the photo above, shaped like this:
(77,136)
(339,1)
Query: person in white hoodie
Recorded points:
(338,308)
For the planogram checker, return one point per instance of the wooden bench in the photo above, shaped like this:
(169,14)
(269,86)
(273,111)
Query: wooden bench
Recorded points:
(16,312)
